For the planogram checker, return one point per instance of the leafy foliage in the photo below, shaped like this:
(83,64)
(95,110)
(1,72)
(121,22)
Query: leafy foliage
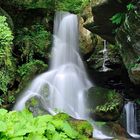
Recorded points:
(6,60)
(130,6)
(118,18)
(30,67)
(33,41)
(71,5)
(23,126)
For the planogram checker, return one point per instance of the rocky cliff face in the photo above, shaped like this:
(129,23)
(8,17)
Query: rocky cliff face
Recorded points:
(102,12)
(127,36)
(128,39)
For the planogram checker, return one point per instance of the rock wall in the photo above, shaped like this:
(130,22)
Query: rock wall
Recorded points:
(126,34)
(128,39)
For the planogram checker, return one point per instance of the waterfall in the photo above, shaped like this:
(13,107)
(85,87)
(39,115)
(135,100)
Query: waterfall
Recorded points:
(105,57)
(66,81)
(131,120)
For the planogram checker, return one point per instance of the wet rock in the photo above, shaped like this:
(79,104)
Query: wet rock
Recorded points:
(36,105)
(88,41)
(104,104)
(113,129)
(128,39)
(102,11)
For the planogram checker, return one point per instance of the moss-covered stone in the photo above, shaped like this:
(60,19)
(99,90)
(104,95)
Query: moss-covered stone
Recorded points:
(83,127)
(36,105)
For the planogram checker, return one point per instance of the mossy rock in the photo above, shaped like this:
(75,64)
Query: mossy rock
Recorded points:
(82,126)
(36,106)
(104,104)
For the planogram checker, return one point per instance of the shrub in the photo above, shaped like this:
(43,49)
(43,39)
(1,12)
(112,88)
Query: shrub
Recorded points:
(6,60)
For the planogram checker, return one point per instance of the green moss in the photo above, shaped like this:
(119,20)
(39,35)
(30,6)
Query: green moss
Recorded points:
(62,116)
(83,127)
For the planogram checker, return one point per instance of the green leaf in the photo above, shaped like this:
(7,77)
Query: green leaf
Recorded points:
(130,6)
(69,131)
(34,136)
(3,126)
(118,18)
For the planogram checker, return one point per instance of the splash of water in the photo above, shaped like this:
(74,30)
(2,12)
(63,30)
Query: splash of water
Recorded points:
(131,122)
(66,80)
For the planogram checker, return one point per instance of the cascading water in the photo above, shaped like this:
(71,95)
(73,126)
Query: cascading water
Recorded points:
(131,121)
(105,56)
(66,80)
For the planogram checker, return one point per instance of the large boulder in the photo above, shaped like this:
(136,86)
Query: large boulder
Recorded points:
(102,11)
(128,39)
(104,104)
(36,105)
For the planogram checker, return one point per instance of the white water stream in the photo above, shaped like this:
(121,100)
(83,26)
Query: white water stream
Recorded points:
(131,122)
(105,57)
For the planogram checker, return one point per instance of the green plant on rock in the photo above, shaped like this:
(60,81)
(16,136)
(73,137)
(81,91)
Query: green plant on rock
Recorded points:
(119,18)
(130,6)
(112,103)
(23,126)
